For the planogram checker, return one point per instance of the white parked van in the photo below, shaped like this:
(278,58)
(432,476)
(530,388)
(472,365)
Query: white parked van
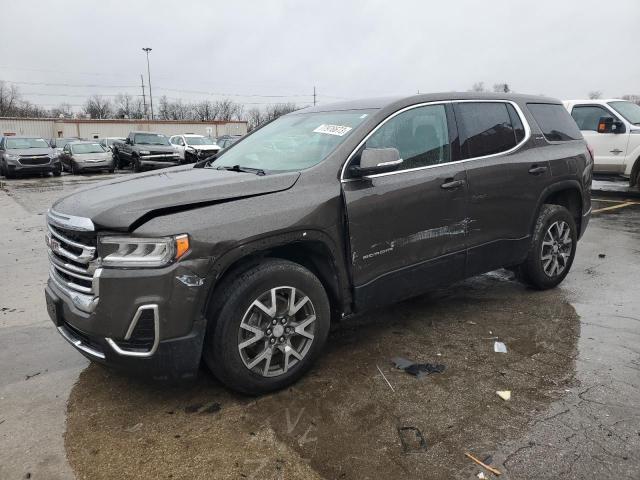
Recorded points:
(612,129)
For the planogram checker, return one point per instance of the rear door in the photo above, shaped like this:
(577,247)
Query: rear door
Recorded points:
(610,149)
(407,228)
(505,180)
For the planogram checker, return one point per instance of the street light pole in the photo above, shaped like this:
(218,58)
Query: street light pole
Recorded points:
(147,50)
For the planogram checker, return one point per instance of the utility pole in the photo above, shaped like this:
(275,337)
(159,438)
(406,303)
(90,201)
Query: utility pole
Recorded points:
(147,50)
(314,96)
(144,99)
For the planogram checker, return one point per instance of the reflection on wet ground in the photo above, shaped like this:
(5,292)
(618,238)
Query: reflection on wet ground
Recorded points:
(342,420)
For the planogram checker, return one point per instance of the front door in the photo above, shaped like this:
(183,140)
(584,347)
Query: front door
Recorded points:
(610,149)
(407,228)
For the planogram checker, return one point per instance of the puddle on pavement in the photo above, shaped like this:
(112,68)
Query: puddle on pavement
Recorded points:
(342,419)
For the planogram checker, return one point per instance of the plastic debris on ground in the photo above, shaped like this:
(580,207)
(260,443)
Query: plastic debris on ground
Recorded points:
(418,370)
(499,347)
(504,394)
(481,475)
(412,440)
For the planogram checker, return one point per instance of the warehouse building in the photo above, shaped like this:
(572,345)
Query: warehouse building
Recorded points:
(90,129)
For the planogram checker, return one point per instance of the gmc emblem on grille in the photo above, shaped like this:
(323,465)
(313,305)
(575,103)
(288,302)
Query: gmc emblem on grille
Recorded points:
(52,243)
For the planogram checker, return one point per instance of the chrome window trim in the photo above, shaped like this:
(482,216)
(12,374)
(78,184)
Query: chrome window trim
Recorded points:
(523,119)
(134,322)
(70,221)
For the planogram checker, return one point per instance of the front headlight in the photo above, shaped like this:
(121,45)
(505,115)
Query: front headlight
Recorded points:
(11,156)
(145,152)
(118,251)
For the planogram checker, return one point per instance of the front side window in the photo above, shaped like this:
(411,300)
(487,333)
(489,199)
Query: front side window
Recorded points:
(588,117)
(293,142)
(419,134)
(486,128)
(199,141)
(555,122)
(628,110)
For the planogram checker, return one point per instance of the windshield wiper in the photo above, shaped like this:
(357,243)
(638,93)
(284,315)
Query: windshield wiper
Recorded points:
(238,168)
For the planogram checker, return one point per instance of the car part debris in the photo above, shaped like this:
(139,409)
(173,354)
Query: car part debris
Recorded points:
(385,379)
(504,394)
(481,475)
(412,440)
(191,280)
(601,255)
(417,369)
(499,347)
(483,465)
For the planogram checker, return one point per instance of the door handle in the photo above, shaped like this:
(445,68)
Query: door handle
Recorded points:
(615,151)
(450,184)
(536,170)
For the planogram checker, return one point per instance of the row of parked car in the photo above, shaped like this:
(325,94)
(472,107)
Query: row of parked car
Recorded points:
(139,150)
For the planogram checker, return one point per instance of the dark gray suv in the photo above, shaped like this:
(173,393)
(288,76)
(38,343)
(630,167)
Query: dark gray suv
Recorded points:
(244,260)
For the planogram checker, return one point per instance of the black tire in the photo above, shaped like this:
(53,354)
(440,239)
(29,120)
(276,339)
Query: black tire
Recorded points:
(111,170)
(2,170)
(74,168)
(634,178)
(233,300)
(57,172)
(532,271)
(136,167)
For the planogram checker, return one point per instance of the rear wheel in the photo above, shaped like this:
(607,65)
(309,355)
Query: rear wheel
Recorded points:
(552,250)
(267,327)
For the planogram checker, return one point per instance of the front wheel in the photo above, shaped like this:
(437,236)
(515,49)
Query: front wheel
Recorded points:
(74,168)
(137,167)
(552,250)
(267,327)
(57,171)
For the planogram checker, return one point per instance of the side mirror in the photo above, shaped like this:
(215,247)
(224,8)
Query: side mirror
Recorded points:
(127,141)
(376,160)
(609,125)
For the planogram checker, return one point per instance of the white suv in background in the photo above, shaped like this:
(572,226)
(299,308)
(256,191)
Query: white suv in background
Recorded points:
(612,129)
(194,147)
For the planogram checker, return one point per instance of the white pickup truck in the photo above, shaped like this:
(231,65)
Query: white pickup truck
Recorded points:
(612,129)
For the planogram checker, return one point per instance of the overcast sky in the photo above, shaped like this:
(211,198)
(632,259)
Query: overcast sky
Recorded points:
(347,49)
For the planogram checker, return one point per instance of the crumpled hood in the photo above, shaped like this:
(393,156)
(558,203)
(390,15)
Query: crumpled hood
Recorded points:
(120,203)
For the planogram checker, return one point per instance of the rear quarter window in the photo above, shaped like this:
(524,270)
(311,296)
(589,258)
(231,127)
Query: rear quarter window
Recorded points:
(555,122)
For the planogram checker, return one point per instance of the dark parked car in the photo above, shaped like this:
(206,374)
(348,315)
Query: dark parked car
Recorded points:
(26,155)
(108,142)
(78,157)
(320,214)
(145,149)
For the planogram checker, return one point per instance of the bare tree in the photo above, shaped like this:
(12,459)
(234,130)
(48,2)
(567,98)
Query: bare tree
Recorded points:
(632,98)
(255,118)
(98,107)
(63,110)
(123,105)
(595,94)
(478,87)
(9,99)
(203,111)
(501,88)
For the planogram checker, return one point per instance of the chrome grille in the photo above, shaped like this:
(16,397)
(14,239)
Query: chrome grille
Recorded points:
(73,262)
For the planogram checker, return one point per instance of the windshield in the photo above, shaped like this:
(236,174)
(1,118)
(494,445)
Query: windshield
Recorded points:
(151,139)
(628,110)
(61,142)
(24,143)
(293,142)
(87,148)
(199,141)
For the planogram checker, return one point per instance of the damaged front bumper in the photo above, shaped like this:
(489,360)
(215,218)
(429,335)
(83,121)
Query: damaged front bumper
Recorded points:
(148,321)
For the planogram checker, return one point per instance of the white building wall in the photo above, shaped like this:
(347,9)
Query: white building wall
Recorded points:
(50,128)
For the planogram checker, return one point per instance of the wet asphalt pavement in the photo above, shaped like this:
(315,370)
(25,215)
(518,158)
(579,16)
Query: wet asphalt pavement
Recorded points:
(572,366)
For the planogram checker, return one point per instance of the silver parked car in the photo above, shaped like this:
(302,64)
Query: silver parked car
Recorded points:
(80,157)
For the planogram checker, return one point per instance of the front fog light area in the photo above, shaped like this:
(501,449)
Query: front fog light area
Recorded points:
(119,251)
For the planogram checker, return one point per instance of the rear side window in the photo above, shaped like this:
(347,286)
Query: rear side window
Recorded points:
(486,128)
(555,122)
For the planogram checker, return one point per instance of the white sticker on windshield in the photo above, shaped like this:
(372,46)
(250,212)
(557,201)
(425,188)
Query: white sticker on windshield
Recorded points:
(338,130)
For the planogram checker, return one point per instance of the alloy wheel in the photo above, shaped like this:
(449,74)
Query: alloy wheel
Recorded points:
(556,248)
(277,331)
